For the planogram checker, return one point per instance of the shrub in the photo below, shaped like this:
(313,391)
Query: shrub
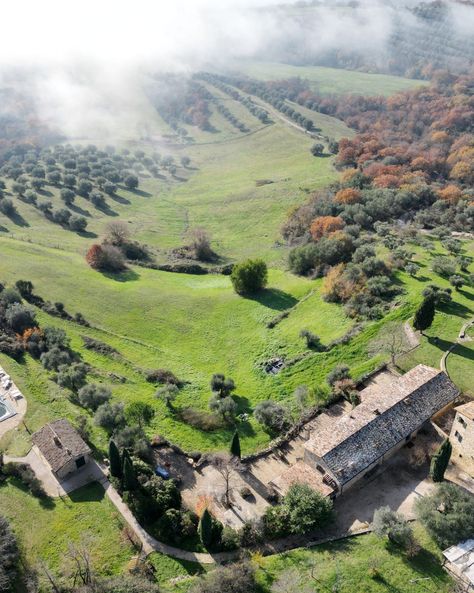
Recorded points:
(24,473)
(201,245)
(77,223)
(301,510)
(20,317)
(106,258)
(456,281)
(325,225)
(221,385)
(9,557)
(72,377)
(234,578)
(272,416)
(307,509)
(7,207)
(92,396)
(303,259)
(131,182)
(167,394)
(110,416)
(440,296)
(312,340)
(444,266)
(249,276)
(162,376)
(224,406)
(394,526)
(447,514)
(55,358)
(339,373)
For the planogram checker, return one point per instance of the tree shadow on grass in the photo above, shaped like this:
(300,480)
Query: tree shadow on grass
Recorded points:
(456,309)
(141,192)
(92,492)
(87,234)
(126,276)
(439,343)
(466,295)
(426,564)
(45,501)
(119,199)
(107,210)
(78,210)
(18,219)
(273,298)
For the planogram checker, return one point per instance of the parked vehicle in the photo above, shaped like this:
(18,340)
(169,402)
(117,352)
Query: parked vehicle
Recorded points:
(162,472)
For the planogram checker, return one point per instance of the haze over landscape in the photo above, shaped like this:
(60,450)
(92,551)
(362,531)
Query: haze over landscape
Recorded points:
(236,296)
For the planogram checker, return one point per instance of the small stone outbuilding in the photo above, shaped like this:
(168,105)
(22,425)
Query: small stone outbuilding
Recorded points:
(61,447)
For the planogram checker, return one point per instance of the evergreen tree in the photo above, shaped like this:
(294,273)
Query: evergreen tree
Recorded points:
(424,315)
(440,461)
(115,461)
(235,445)
(205,528)
(129,481)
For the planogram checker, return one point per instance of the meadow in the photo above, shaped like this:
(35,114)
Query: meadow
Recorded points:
(329,80)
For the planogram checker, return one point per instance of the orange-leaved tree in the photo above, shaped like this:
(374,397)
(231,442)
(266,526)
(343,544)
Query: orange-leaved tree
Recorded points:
(325,225)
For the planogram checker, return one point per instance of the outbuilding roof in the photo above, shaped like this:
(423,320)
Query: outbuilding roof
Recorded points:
(360,437)
(59,443)
(461,557)
(466,410)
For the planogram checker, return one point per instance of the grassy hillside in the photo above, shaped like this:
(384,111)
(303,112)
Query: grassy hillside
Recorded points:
(196,326)
(329,80)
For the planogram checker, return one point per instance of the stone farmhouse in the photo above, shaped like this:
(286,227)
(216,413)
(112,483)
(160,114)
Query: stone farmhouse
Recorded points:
(61,447)
(462,435)
(353,445)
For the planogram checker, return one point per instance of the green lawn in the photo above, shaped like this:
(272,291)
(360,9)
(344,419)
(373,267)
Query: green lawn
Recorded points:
(46,527)
(344,567)
(329,80)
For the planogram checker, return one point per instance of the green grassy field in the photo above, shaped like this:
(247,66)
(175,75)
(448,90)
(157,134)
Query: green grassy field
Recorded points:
(329,80)
(46,527)
(346,566)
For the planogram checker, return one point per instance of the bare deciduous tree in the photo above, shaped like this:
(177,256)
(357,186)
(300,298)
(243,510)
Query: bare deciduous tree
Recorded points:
(117,233)
(228,467)
(391,340)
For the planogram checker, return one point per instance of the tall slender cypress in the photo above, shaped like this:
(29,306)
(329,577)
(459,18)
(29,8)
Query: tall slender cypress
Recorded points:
(129,480)
(424,315)
(440,461)
(115,461)
(205,528)
(235,445)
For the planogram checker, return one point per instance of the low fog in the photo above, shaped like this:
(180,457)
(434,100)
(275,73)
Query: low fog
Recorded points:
(86,63)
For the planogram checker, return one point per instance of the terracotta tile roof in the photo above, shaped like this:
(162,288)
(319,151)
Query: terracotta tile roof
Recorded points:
(301,473)
(467,410)
(59,443)
(384,419)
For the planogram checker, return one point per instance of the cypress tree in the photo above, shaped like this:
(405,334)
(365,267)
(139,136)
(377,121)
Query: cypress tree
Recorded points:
(129,480)
(115,461)
(205,528)
(424,315)
(440,461)
(235,445)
